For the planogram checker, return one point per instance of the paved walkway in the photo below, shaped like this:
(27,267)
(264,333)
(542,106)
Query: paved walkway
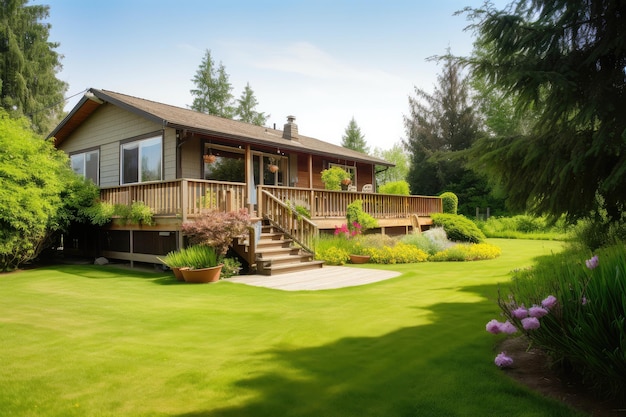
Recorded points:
(326,278)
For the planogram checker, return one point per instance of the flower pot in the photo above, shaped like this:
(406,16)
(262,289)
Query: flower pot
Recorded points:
(178,273)
(273,168)
(359,259)
(202,275)
(210,158)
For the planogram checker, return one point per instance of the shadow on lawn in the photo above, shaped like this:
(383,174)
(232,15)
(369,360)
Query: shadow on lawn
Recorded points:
(444,368)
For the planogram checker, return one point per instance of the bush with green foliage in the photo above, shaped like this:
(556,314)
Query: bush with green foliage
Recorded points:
(355,214)
(399,253)
(231,268)
(431,241)
(585,331)
(449,203)
(395,187)
(467,252)
(332,177)
(39,193)
(524,227)
(137,213)
(458,228)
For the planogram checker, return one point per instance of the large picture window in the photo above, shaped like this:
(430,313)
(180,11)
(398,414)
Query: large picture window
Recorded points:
(142,160)
(87,164)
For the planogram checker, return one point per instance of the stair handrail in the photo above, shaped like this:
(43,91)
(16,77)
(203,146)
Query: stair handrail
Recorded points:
(297,227)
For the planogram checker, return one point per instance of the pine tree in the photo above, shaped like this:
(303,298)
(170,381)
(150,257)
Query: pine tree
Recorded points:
(353,138)
(565,61)
(213,92)
(246,106)
(28,66)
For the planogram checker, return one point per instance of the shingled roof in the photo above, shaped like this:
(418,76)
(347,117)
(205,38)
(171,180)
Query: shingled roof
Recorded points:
(193,121)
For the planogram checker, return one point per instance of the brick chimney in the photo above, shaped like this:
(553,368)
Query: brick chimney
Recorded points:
(290,132)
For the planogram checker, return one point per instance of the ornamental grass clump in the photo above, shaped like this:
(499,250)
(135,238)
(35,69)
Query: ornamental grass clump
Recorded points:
(584,332)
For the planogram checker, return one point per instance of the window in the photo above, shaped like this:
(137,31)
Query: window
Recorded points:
(141,160)
(87,164)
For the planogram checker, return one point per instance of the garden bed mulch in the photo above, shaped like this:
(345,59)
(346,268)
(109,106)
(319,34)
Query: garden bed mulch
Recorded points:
(532,368)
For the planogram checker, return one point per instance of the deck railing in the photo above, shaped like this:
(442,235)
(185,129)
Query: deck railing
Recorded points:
(187,197)
(325,203)
(302,230)
(182,197)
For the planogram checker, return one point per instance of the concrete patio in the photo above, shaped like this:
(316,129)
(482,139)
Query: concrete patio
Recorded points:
(329,277)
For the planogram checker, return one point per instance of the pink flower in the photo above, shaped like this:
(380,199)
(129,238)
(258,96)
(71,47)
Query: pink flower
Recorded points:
(530,323)
(508,327)
(593,262)
(503,361)
(549,302)
(520,312)
(494,326)
(584,301)
(536,311)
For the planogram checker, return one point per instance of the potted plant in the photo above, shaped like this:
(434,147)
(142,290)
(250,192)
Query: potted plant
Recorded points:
(209,158)
(204,264)
(176,260)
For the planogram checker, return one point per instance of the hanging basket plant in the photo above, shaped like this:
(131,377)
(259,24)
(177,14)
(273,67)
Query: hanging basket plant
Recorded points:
(346,181)
(209,158)
(273,168)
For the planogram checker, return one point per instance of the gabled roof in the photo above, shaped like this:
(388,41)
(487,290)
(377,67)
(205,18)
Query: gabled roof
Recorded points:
(193,121)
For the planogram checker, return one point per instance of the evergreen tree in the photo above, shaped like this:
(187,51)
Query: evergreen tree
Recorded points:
(28,66)
(565,61)
(353,138)
(440,129)
(213,92)
(246,106)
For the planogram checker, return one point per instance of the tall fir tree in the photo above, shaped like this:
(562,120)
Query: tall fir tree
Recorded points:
(246,105)
(565,61)
(353,138)
(213,92)
(440,128)
(29,65)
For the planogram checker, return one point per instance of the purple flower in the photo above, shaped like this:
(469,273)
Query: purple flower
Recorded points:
(584,301)
(503,361)
(530,323)
(536,311)
(593,262)
(508,327)
(520,312)
(493,326)
(549,302)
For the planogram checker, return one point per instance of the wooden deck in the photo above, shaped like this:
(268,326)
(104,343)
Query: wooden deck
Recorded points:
(327,278)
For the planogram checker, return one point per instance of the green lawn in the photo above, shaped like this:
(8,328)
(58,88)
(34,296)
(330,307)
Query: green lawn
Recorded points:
(100,341)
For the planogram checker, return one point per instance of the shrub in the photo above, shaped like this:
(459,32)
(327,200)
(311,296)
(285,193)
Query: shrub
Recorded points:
(431,241)
(216,228)
(355,214)
(395,187)
(586,331)
(194,257)
(398,254)
(231,267)
(333,176)
(449,203)
(333,255)
(467,252)
(458,228)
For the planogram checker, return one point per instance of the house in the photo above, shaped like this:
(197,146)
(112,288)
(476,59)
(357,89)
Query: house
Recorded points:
(179,162)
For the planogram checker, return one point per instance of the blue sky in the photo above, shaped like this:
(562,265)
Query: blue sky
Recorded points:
(321,61)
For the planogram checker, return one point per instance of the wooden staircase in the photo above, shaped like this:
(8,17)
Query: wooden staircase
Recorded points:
(277,254)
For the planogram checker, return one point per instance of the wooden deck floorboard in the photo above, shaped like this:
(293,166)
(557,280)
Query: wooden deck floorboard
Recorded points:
(326,278)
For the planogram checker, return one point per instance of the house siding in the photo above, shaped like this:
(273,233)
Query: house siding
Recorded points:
(106,128)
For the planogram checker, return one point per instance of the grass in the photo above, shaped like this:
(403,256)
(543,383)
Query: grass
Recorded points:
(100,341)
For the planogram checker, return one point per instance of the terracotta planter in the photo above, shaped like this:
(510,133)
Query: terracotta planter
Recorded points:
(210,158)
(178,274)
(273,168)
(359,259)
(203,275)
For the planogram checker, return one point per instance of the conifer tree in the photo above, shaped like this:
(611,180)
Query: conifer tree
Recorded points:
(353,138)
(246,105)
(213,92)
